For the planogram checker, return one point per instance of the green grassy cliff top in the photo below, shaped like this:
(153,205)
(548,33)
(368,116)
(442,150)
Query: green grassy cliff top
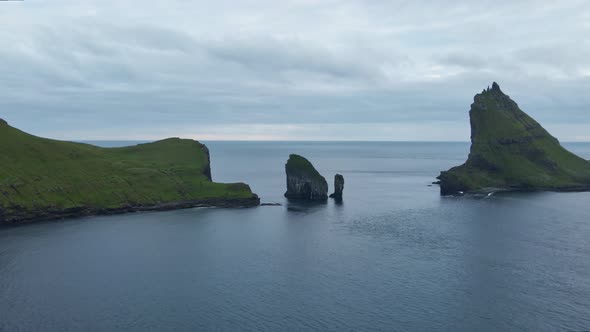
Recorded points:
(300,165)
(39,174)
(495,116)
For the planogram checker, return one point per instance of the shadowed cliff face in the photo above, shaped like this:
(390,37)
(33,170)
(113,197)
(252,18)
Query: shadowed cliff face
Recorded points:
(304,181)
(512,151)
(207,169)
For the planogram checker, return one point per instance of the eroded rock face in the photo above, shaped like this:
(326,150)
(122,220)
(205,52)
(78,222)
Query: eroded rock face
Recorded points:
(207,170)
(512,151)
(338,186)
(304,181)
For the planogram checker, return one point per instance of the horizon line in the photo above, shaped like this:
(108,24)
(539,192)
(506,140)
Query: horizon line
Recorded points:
(286,141)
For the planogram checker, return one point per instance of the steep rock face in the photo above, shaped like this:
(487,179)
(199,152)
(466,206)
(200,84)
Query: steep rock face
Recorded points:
(207,170)
(304,181)
(338,186)
(511,151)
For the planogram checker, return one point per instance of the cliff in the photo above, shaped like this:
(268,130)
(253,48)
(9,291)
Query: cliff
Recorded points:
(47,179)
(304,181)
(512,151)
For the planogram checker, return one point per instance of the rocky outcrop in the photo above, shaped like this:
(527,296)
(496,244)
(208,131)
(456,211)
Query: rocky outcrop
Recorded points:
(304,181)
(338,186)
(512,151)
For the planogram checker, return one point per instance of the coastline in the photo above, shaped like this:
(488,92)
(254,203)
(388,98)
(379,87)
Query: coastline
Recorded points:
(78,212)
(491,191)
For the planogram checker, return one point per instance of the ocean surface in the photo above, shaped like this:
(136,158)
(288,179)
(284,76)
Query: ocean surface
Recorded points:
(394,256)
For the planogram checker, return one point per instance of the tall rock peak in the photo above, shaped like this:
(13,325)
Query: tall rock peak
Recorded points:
(512,151)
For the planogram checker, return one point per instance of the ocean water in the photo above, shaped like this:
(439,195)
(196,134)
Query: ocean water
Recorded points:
(394,256)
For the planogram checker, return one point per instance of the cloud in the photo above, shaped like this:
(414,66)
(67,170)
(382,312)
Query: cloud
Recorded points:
(94,66)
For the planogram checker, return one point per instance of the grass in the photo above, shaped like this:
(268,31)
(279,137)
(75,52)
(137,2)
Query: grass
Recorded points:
(299,165)
(510,150)
(38,173)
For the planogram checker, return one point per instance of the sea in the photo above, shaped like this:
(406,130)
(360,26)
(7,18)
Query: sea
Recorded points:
(392,256)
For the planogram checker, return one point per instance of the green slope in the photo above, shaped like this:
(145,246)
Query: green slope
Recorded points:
(300,166)
(43,178)
(511,151)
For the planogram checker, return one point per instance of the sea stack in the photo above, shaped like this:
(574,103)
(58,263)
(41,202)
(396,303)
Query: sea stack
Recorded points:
(304,181)
(338,187)
(511,151)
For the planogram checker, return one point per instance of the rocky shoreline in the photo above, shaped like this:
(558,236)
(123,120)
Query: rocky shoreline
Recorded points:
(78,212)
(484,192)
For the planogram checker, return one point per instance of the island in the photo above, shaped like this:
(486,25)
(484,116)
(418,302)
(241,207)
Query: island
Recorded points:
(304,182)
(510,151)
(42,179)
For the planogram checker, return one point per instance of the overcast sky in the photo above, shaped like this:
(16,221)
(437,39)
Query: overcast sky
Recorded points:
(289,69)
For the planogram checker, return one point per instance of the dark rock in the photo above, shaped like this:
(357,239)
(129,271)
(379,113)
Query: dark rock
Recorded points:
(207,170)
(338,186)
(271,204)
(512,151)
(304,181)
(23,216)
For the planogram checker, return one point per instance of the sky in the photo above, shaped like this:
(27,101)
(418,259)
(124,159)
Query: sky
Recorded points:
(290,69)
